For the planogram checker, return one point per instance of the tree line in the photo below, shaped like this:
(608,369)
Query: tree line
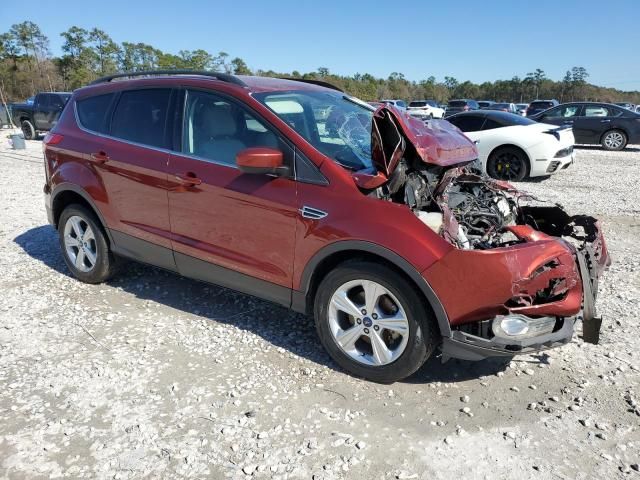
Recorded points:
(27,67)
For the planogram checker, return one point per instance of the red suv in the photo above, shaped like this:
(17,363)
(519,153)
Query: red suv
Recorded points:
(298,193)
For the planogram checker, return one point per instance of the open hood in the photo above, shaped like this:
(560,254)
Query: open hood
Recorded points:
(395,135)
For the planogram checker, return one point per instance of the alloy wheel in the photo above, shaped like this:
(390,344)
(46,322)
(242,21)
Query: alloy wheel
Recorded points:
(368,323)
(80,243)
(614,140)
(508,166)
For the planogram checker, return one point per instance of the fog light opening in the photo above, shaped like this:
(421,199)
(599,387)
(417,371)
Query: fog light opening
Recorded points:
(520,326)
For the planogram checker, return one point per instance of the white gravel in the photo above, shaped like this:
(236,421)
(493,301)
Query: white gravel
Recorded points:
(155,376)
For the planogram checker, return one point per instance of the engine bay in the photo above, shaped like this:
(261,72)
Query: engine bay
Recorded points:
(474,212)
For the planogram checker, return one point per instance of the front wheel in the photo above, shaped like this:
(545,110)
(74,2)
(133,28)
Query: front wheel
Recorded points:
(373,323)
(84,245)
(614,140)
(508,163)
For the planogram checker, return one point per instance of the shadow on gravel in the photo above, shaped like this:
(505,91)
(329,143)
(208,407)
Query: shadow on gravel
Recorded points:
(275,324)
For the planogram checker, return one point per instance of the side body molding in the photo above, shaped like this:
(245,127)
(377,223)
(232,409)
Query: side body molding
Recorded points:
(299,300)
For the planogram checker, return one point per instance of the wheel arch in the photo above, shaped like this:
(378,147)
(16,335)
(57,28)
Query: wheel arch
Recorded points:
(334,254)
(514,146)
(618,128)
(65,195)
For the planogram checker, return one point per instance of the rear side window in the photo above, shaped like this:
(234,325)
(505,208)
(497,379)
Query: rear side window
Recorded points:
(141,116)
(92,112)
(57,101)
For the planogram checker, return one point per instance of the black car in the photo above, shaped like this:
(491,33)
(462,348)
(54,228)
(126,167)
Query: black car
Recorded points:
(461,105)
(538,106)
(485,103)
(41,114)
(606,124)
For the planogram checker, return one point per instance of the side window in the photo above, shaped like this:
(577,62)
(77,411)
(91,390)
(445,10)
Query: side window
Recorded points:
(92,112)
(566,111)
(490,124)
(216,129)
(57,102)
(44,101)
(141,116)
(468,123)
(601,111)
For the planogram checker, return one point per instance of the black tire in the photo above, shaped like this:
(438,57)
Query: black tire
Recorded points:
(508,163)
(430,117)
(28,130)
(614,140)
(105,263)
(423,335)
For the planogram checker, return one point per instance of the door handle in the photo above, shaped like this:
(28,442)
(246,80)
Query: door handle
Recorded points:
(100,157)
(568,122)
(605,121)
(188,179)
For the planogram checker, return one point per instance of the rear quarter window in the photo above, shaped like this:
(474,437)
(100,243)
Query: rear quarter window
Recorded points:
(93,112)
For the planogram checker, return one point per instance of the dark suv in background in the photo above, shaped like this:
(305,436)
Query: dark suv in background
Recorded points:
(300,194)
(538,106)
(461,105)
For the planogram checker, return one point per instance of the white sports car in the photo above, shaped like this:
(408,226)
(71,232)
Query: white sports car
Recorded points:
(512,147)
(425,109)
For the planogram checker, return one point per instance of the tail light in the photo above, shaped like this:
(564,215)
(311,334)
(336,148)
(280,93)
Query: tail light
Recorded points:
(52,139)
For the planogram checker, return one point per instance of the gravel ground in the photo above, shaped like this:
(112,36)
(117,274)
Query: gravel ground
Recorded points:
(156,376)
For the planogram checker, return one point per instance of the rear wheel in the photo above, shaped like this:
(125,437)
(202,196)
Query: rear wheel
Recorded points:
(508,163)
(614,140)
(28,130)
(84,245)
(372,322)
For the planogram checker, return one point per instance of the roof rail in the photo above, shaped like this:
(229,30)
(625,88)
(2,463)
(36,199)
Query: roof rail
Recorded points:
(223,77)
(320,83)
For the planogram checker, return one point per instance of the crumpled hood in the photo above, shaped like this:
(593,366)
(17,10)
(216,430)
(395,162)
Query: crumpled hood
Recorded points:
(395,133)
(436,142)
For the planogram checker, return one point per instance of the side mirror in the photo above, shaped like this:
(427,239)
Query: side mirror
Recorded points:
(261,160)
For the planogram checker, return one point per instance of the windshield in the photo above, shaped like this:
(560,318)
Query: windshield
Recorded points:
(337,125)
(457,103)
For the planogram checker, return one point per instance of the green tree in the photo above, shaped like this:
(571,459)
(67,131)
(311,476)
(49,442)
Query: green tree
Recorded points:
(241,68)
(106,51)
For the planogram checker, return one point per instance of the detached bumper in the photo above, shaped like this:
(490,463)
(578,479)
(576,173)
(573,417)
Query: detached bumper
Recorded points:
(468,346)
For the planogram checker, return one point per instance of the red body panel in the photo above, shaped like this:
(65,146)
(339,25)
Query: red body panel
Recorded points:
(239,221)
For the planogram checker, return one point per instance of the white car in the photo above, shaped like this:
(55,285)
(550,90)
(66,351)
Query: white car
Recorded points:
(425,109)
(399,104)
(512,147)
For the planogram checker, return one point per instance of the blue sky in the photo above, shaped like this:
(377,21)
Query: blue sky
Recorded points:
(471,40)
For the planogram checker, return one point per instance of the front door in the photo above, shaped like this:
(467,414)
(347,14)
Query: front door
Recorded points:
(228,227)
(563,115)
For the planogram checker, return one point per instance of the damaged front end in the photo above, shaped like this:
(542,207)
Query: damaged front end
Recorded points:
(522,271)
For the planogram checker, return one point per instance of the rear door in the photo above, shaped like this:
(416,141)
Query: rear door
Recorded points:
(131,159)
(41,111)
(593,122)
(56,104)
(228,227)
